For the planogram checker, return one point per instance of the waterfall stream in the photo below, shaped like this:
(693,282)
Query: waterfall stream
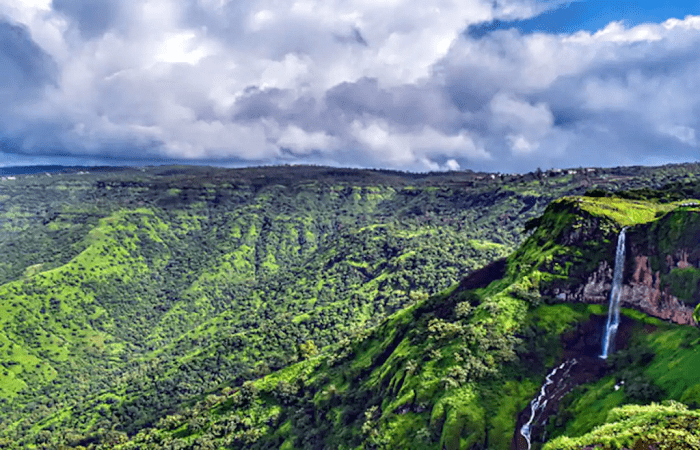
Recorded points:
(540,403)
(615,294)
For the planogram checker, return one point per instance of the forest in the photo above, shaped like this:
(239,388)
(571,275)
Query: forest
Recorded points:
(314,307)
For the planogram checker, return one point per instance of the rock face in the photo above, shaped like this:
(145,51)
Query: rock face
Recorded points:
(596,289)
(662,260)
(642,289)
(662,265)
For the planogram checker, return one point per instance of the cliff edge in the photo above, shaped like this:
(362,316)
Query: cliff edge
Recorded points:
(575,254)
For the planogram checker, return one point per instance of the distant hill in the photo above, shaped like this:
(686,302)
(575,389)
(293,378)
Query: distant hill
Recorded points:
(28,170)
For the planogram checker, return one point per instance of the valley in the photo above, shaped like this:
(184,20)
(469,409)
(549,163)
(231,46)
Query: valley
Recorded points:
(311,307)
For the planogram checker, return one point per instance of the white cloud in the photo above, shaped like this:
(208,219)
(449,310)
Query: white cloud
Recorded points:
(684,134)
(181,47)
(512,112)
(452,164)
(392,83)
(415,150)
(608,97)
(302,142)
(520,145)
(525,124)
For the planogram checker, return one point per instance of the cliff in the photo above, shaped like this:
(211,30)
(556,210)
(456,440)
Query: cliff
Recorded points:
(642,291)
(662,264)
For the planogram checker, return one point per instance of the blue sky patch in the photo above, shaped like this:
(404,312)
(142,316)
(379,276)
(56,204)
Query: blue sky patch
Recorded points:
(592,15)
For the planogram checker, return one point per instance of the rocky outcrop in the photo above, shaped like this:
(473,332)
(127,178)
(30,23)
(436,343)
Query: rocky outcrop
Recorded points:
(662,265)
(641,290)
(644,292)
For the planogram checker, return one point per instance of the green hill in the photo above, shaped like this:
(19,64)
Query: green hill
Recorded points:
(458,370)
(135,304)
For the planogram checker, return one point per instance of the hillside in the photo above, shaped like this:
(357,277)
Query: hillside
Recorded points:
(668,426)
(458,370)
(138,302)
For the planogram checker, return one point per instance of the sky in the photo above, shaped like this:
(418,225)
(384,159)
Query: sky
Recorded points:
(497,85)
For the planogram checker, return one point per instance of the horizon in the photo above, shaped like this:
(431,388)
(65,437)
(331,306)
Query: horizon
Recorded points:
(39,169)
(494,87)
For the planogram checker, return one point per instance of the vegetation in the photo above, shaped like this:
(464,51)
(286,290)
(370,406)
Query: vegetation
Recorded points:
(664,426)
(456,370)
(297,307)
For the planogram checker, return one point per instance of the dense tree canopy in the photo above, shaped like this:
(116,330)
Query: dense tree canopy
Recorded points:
(128,295)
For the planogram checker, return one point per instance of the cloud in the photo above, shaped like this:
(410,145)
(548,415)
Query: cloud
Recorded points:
(616,96)
(25,71)
(415,149)
(352,82)
(91,18)
(524,125)
(302,142)
(684,134)
(23,64)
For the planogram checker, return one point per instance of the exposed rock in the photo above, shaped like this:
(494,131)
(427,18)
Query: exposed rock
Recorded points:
(596,289)
(683,262)
(644,292)
(641,291)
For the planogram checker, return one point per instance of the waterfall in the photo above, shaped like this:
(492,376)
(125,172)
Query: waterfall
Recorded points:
(615,294)
(540,403)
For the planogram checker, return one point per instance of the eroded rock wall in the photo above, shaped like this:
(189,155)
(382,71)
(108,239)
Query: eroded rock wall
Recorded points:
(645,293)
(641,290)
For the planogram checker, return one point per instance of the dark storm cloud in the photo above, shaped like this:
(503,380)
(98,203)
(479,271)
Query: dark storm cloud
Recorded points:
(25,69)
(23,64)
(92,17)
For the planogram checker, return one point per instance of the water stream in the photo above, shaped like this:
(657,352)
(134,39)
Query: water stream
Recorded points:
(556,383)
(540,403)
(615,294)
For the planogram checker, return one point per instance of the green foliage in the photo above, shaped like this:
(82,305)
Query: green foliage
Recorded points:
(173,281)
(466,389)
(683,283)
(287,307)
(661,426)
(659,363)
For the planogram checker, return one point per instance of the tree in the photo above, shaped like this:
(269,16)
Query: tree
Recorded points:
(307,350)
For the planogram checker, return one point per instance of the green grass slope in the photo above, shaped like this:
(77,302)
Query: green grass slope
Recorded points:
(455,371)
(662,426)
(128,295)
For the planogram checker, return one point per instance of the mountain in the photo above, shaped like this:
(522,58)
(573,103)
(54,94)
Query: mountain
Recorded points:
(278,306)
(459,369)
